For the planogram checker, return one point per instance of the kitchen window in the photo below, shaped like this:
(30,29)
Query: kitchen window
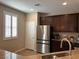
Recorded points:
(10,25)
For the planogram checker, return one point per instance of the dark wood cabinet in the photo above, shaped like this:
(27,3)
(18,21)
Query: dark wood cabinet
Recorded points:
(45,20)
(62,23)
(57,23)
(55,46)
(42,21)
(70,23)
(78,23)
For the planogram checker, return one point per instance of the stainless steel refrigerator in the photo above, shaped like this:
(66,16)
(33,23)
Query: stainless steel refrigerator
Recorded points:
(43,39)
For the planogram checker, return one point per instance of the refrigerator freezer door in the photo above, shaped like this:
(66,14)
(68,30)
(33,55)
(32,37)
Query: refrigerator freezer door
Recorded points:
(43,48)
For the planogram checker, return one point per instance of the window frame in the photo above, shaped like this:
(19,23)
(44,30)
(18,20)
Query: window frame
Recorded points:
(12,14)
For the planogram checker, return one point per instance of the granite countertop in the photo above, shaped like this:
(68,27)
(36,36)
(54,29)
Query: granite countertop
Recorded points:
(9,55)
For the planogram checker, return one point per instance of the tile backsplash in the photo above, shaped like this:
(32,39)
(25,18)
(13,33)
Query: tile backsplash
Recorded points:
(69,34)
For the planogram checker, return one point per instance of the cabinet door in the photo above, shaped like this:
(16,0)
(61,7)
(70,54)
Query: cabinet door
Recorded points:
(71,25)
(65,23)
(49,20)
(45,21)
(56,23)
(62,23)
(42,21)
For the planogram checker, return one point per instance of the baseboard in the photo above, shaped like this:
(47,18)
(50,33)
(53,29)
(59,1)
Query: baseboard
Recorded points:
(20,50)
(29,49)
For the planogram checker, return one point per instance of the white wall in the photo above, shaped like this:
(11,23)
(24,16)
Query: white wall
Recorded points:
(31,31)
(19,42)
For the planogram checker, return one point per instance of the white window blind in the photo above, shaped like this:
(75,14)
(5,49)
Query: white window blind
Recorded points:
(10,26)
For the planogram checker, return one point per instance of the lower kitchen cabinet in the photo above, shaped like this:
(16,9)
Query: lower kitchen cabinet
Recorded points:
(76,45)
(55,46)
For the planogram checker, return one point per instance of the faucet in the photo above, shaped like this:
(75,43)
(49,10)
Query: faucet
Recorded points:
(66,39)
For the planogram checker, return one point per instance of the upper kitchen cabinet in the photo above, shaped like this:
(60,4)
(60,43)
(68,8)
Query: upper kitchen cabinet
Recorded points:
(57,23)
(45,20)
(71,23)
(42,21)
(53,21)
(62,23)
(65,23)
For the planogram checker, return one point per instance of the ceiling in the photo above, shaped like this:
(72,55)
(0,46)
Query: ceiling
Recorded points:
(48,6)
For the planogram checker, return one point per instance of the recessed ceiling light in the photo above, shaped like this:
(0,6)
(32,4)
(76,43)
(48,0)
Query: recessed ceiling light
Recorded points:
(64,3)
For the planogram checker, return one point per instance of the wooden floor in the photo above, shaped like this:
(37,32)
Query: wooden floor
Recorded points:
(27,52)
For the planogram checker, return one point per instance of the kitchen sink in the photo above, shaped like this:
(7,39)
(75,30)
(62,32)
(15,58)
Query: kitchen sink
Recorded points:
(61,54)
(55,55)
